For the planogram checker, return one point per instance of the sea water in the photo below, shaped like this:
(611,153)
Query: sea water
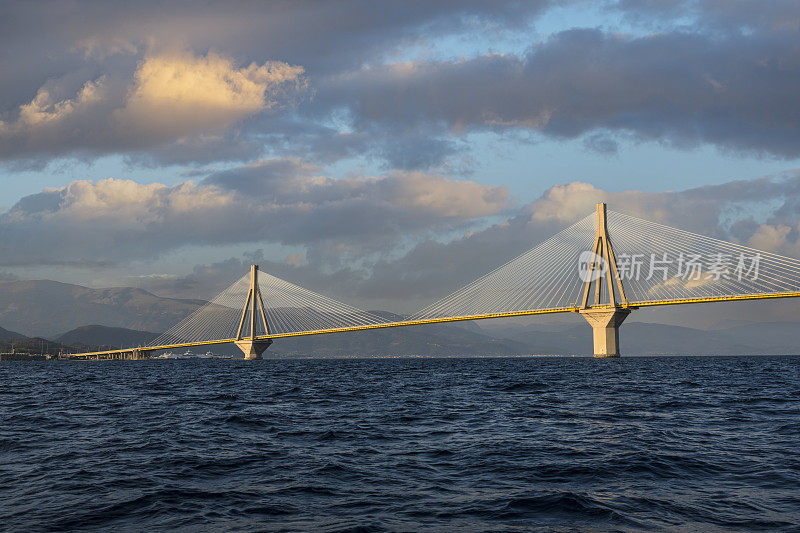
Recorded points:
(636,443)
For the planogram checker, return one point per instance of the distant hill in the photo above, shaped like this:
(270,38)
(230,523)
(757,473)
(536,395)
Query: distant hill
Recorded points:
(6,335)
(639,338)
(96,335)
(49,308)
(461,339)
(441,340)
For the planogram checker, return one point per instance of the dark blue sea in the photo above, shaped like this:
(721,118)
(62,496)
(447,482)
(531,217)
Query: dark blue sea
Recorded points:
(562,444)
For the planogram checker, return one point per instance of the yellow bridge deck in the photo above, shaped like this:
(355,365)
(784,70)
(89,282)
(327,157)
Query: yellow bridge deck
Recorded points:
(630,305)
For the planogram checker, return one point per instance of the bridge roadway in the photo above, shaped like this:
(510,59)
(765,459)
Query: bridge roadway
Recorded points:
(120,353)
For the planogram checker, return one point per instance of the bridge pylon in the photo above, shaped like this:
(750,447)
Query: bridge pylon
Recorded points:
(253,309)
(604,317)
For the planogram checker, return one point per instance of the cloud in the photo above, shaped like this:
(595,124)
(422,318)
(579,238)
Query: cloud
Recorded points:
(717,73)
(175,101)
(43,110)
(177,95)
(303,133)
(271,201)
(716,15)
(433,267)
(680,87)
(290,181)
(325,37)
(55,41)
(777,237)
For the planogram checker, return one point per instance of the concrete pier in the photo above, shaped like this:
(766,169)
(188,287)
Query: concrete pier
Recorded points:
(253,348)
(605,329)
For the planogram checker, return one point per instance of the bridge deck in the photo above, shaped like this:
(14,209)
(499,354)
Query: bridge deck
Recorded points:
(574,309)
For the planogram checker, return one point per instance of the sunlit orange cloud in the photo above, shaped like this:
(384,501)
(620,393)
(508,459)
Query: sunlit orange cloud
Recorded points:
(170,96)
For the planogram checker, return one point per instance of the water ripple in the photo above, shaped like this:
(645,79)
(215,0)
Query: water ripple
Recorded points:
(402,444)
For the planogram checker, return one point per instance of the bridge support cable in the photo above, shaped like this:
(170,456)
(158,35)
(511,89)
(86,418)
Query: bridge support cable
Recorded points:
(661,265)
(217,319)
(543,278)
(293,309)
(258,306)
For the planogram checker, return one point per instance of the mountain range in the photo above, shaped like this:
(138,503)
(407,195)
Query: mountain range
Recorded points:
(81,317)
(96,335)
(50,308)
(6,335)
(641,338)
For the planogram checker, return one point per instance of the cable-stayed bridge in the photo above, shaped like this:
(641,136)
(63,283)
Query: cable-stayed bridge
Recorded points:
(602,267)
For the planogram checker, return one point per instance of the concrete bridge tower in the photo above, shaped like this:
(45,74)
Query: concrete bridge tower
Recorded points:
(605,318)
(251,346)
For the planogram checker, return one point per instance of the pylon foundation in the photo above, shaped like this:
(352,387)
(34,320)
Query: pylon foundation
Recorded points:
(605,329)
(253,349)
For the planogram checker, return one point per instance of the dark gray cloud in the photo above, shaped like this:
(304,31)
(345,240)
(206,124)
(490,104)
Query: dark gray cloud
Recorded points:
(308,137)
(50,51)
(712,72)
(7,276)
(718,15)
(683,88)
(264,178)
(322,36)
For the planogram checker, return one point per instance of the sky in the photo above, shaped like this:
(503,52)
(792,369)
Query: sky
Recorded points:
(383,153)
